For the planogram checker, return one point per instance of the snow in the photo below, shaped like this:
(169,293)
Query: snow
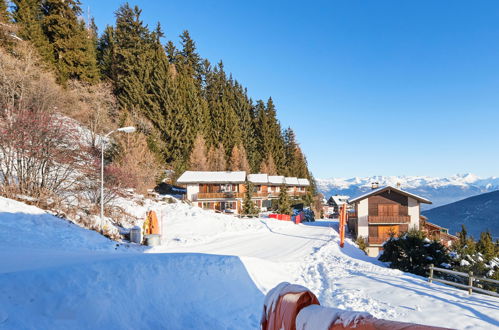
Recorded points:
(215,177)
(276,179)
(315,317)
(212,271)
(258,178)
(291,181)
(303,182)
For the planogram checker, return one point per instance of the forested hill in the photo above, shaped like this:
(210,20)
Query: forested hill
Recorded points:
(194,114)
(478,213)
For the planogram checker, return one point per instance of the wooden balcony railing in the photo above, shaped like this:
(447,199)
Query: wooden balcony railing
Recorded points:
(220,195)
(377,240)
(373,219)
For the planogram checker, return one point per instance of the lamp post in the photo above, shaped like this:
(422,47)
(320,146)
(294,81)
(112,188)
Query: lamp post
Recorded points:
(128,129)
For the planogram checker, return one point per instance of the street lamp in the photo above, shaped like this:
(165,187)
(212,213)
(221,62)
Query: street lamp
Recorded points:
(128,129)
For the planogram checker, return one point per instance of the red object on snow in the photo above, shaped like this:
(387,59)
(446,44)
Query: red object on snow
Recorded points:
(283,217)
(282,305)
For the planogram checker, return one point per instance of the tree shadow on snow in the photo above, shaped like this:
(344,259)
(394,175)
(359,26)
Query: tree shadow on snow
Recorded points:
(168,290)
(428,290)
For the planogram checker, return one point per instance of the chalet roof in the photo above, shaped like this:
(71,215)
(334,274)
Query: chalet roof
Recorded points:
(212,177)
(259,178)
(390,188)
(340,200)
(276,179)
(291,181)
(303,182)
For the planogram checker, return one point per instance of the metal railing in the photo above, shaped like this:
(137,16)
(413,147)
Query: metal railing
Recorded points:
(471,280)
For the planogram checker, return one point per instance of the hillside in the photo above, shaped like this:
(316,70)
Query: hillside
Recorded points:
(440,191)
(477,213)
(217,268)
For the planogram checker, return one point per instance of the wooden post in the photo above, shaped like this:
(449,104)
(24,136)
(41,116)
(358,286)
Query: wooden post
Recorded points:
(470,282)
(431,273)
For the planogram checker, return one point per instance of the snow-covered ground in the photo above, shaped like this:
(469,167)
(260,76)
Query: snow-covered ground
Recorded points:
(211,272)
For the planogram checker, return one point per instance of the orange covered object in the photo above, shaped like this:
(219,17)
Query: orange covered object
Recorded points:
(282,314)
(151,226)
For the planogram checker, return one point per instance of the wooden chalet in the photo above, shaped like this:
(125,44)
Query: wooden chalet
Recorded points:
(384,211)
(436,232)
(224,191)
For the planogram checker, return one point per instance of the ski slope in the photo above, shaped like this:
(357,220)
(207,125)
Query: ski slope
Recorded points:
(211,272)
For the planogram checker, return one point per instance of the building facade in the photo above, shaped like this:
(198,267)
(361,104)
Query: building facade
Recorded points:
(383,212)
(224,191)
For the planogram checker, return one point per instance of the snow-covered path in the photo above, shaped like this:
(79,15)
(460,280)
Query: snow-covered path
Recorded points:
(309,254)
(211,273)
(281,242)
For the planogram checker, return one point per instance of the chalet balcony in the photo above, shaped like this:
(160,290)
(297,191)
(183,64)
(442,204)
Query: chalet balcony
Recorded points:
(377,240)
(220,195)
(383,219)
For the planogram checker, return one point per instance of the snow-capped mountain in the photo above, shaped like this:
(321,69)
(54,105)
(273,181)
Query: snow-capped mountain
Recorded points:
(477,213)
(439,190)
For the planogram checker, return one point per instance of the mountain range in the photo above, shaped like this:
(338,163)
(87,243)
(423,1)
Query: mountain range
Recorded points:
(440,190)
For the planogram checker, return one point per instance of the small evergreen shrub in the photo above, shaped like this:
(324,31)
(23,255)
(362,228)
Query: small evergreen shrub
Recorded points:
(361,243)
(412,252)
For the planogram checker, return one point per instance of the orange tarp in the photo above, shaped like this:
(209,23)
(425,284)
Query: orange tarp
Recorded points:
(151,225)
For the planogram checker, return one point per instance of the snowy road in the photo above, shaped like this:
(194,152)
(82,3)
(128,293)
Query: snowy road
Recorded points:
(280,243)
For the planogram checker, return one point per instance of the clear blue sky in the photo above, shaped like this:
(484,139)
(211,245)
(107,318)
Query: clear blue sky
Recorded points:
(370,87)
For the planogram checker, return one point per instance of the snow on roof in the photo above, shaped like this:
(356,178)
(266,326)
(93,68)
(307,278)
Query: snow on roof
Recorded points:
(276,179)
(340,200)
(212,177)
(379,190)
(303,182)
(292,181)
(258,178)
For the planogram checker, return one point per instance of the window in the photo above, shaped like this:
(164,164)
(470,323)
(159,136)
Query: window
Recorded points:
(388,209)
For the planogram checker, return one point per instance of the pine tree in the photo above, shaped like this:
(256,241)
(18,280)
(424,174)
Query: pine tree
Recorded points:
(268,166)
(274,141)
(72,43)
(238,160)
(223,122)
(216,158)
(190,59)
(486,246)
(198,160)
(411,252)
(249,207)
(133,45)
(28,16)
(283,203)
(106,55)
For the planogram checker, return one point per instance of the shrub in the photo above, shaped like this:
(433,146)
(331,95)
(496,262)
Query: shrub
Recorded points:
(412,252)
(361,243)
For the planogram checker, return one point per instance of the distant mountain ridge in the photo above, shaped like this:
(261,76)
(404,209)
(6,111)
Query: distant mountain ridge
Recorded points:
(477,213)
(439,190)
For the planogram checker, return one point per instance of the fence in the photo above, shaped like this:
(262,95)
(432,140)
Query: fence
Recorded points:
(471,279)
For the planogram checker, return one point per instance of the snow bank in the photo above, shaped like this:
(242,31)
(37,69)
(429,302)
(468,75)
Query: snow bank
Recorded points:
(153,291)
(25,226)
